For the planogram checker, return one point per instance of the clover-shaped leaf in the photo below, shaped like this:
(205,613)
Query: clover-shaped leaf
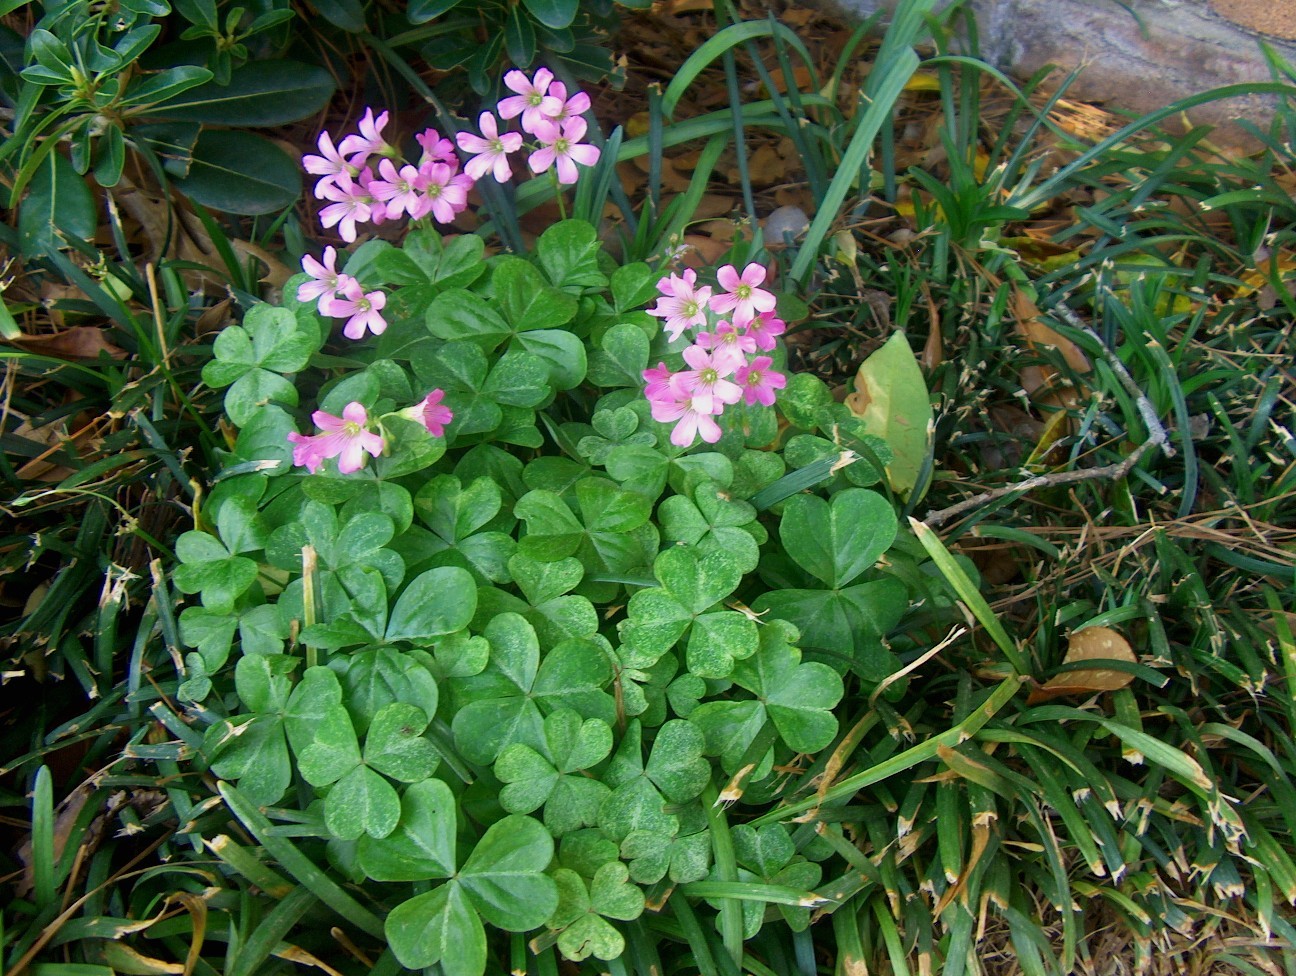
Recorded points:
(380,676)
(713,520)
(251,748)
(502,880)
(496,705)
(686,856)
(799,698)
(835,541)
(395,745)
(250,358)
(612,533)
(853,619)
(612,429)
(550,778)
(361,801)
(435,603)
(691,584)
(581,913)
(208,567)
(422,846)
(455,515)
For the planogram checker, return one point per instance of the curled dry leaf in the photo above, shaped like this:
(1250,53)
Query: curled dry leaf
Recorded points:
(78,342)
(1090,644)
(1041,381)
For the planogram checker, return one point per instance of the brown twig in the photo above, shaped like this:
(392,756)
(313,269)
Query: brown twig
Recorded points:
(1114,472)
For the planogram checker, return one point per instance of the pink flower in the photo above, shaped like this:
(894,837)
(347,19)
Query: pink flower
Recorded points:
(706,382)
(327,282)
(435,149)
(369,141)
(398,191)
(346,438)
(351,205)
(364,310)
(431,413)
(532,101)
(658,382)
(763,329)
(578,104)
(759,381)
(741,296)
(490,149)
(328,164)
(445,193)
(728,345)
(682,304)
(682,408)
(560,146)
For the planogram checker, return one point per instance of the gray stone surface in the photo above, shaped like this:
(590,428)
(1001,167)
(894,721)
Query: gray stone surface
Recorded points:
(1137,56)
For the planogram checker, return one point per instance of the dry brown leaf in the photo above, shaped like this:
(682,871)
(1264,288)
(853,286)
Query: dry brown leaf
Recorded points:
(1034,379)
(1090,644)
(78,342)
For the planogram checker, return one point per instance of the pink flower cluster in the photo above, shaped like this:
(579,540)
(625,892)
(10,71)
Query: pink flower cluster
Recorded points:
(348,437)
(724,368)
(548,115)
(360,192)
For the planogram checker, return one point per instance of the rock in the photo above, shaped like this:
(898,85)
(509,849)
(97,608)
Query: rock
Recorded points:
(1139,55)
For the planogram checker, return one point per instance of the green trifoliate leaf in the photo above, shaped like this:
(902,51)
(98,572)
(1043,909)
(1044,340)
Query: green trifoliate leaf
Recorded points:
(262,630)
(585,851)
(685,857)
(611,535)
(533,779)
(440,926)
(690,585)
(837,541)
(496,706)
(252,750)
(423,845)
(799,698)
(717,639)
(313,701)
(376,678)
(729,728)
(574,674)
(208,567)
(568,255)
(581,911)
(454,511)
(712,520)
(395,744)
(621,357)
(675,764)
(764,850)
(211,633)
(459,314)
(526,300)
(504,875)
(856,617)
(262,682)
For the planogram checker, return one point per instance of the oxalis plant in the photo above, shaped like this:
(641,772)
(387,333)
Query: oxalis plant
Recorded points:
(558,598)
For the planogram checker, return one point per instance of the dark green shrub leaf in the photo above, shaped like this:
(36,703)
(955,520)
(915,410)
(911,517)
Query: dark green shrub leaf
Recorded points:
(260,93)
(241,173)
(58,206)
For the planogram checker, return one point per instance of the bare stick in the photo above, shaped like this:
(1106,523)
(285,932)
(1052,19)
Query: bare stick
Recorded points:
(1113,472)
(1156,433)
